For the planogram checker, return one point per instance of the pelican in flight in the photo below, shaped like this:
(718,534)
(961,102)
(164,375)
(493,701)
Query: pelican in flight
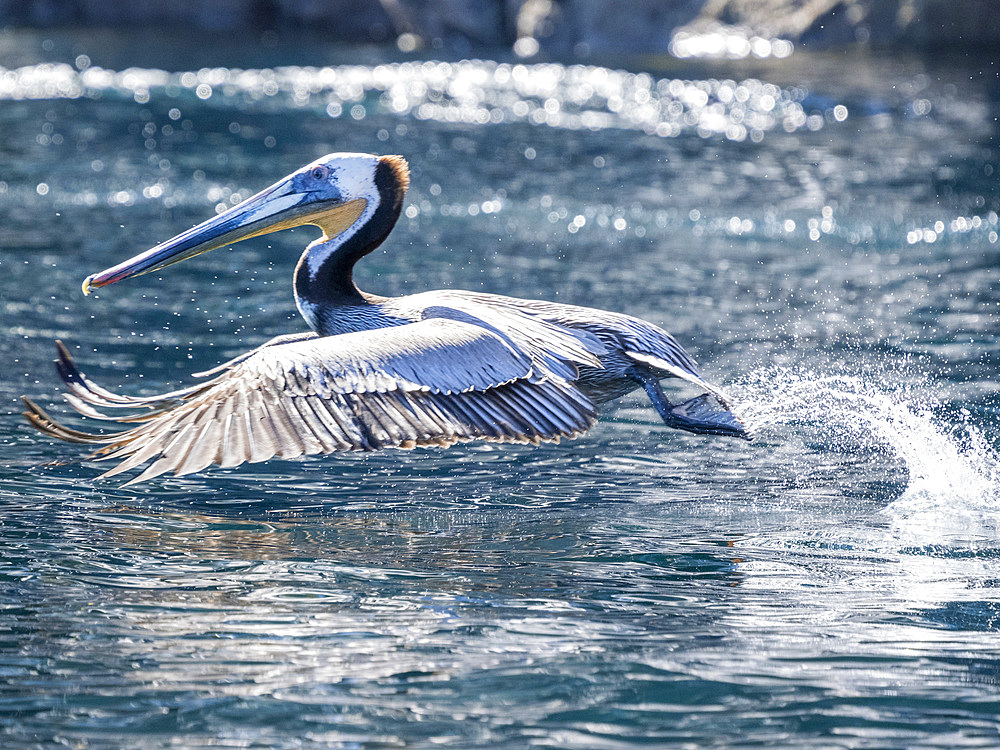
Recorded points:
(433,368)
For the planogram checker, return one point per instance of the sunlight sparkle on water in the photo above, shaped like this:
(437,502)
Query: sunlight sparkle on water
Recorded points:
(471,91)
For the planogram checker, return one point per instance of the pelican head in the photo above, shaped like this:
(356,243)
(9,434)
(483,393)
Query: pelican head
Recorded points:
(337,193)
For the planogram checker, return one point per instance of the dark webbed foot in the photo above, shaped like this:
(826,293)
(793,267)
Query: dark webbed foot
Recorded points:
(706,414)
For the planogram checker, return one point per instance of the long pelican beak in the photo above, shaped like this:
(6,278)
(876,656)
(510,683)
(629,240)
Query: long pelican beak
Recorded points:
(281,206)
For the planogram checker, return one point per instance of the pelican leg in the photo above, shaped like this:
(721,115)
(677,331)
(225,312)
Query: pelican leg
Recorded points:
(705,414)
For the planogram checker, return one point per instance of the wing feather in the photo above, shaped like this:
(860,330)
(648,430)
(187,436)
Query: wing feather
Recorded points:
(434,382)
(86,391)
(289,444)
(323,412)
(530,406)
(235,441)
(263,442)
(308,435)
(478,413)
(207,447)
(133,458)
(599,330)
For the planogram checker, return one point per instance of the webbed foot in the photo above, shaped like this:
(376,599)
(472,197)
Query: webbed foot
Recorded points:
(706,414)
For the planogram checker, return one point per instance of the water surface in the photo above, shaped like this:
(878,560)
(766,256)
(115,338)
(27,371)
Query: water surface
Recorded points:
(821,233)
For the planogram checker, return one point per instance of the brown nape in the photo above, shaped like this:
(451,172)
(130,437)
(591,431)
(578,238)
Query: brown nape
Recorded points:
(399,169)
(332,285)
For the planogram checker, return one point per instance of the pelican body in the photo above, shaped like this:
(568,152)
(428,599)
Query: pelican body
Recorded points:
(374,372)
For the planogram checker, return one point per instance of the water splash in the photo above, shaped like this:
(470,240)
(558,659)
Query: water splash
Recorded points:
(953,468)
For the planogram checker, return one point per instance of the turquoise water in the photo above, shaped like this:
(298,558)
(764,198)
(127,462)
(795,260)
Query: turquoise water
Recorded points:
(820,232)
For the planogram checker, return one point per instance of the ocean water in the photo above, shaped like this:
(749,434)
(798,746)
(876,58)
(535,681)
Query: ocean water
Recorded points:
(819,231)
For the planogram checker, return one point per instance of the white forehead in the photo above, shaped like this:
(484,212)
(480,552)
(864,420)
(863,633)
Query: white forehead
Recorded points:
(353,174)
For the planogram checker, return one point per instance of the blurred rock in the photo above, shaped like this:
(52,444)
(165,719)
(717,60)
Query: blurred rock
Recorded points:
(827,23)
(548,27)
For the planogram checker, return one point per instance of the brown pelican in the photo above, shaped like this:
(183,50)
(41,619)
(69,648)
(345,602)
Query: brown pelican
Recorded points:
(374,372)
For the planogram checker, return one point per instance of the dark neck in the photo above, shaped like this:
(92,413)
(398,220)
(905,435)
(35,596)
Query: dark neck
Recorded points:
(332,284)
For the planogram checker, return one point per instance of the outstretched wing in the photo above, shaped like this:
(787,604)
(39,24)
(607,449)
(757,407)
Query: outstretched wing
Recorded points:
(434,382)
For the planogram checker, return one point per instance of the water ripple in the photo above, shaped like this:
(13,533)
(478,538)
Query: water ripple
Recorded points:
(833,583)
